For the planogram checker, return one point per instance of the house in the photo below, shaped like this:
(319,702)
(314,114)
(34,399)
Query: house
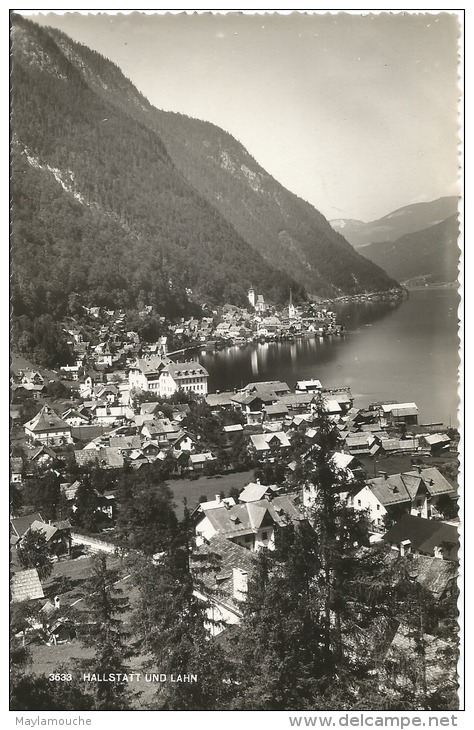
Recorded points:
(275,412)
(437,442)
(20,525)
(250,524)
(343,396)
(47,427)
(70,372)
(58,536)
(361,443)
(125,443)
(298,402)
(272,387)
(415,492)
(26,586)
(162,431)
(400,413)
(108,415)
(190,377)
(254,491)
(308,386)
(42,456)
(268,445)
(184,442)
(145,374)
(220,400)
(224,586)
(196,462)
(74,417)
(425,537)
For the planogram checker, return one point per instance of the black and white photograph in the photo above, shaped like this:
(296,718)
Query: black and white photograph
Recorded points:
(236,365)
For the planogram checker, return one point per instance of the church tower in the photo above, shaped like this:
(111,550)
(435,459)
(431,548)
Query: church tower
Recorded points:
(251,296)
(291,308)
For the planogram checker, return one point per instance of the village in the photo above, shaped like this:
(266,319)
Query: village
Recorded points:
(131,409)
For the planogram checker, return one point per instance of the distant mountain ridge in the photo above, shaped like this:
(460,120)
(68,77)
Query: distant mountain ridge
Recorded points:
(117,203)
(431,254)
(408,219)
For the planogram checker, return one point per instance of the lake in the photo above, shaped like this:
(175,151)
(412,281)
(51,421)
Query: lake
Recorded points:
(404,351)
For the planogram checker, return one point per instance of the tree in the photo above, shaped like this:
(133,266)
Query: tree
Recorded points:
(106,634)
(170,622)
(34,552)
(87,514)
(43,494)
(146,520)
(447,506)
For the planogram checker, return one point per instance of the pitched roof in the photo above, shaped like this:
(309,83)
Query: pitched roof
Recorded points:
(47,420)
(396,409)
(48,530)
(26,585)
(247,518)
(390,490)
(277,409)
(214,503)
(220,399)
(423,534)
(125,442)
(436,439)
(21,524)
(179,370)
(253,492)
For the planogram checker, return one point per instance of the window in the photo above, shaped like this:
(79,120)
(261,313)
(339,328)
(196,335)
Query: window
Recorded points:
(264,535)
(247,538)
(359,503)
(378,507)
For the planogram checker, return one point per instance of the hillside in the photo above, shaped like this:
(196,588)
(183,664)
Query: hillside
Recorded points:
(432,253)
(289,233)
(103,211)
(98,207)
(391,227)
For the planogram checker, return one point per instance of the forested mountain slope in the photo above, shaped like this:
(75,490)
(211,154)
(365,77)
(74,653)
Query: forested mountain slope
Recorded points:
(432,253)
(105,206)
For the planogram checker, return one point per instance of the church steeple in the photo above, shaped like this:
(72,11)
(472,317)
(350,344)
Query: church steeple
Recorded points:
(291,307)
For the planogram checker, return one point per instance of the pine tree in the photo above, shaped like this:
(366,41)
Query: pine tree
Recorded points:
(106,634)
(171,623)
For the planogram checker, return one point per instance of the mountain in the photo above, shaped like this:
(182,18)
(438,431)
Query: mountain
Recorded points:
(103,210)
(431,254)
(404,220)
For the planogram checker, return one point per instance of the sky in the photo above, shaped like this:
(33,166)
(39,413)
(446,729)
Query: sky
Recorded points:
(355,113)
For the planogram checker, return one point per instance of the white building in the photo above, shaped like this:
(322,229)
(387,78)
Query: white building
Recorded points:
(162,376)
(48,428)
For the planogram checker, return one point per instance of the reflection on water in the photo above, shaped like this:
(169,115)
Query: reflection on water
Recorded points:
(406,352)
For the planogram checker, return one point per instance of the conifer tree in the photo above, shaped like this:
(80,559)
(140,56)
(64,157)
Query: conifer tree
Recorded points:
(106,633)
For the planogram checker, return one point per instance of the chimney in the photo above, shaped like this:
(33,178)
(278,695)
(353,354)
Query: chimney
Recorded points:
(57,603)
(218,498)
(418,468)
(257,481)
(405,546)
(383,474)
(240,580)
